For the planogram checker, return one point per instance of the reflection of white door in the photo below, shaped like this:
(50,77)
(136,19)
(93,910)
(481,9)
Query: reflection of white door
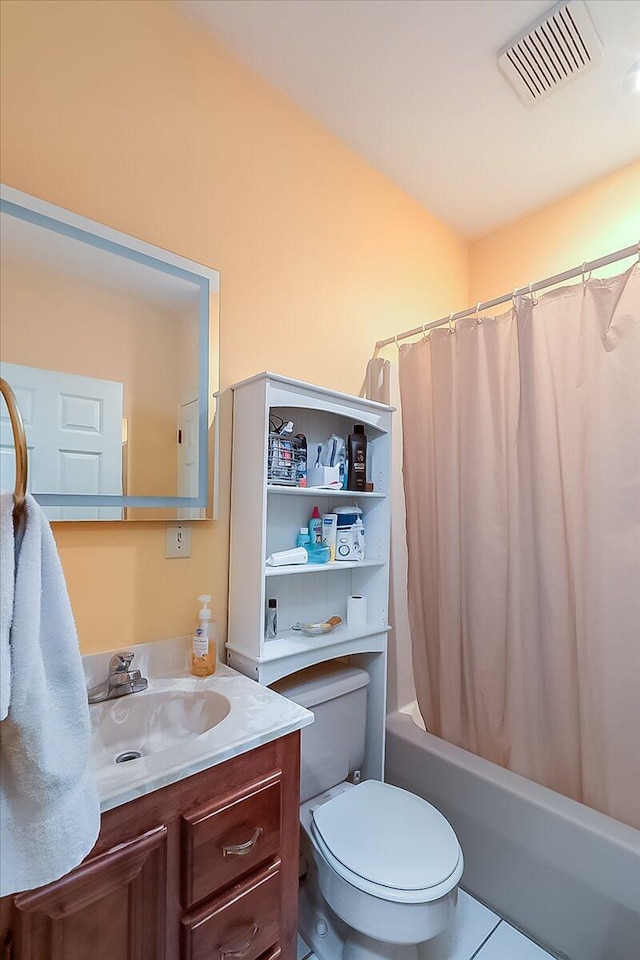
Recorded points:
(74,435)
(188,455)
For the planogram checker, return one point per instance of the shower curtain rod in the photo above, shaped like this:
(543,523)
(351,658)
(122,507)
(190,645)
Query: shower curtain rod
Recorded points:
(586,267)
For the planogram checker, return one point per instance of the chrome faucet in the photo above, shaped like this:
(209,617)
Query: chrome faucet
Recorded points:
(121,680)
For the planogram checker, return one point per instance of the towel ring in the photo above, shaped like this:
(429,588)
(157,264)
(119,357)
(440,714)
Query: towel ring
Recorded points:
(20,444)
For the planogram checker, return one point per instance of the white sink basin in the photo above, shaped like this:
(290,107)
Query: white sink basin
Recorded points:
(141,724)
(180,724)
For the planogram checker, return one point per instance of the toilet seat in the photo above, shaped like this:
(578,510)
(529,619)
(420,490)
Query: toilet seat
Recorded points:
(388,843)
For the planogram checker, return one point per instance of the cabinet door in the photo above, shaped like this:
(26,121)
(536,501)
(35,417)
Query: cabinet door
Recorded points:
(112,907)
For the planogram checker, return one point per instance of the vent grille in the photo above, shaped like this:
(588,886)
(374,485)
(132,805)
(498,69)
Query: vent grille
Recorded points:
(555,50)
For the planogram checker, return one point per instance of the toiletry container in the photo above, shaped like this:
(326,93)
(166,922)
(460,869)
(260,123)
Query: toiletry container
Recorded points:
(271,620)
(329,533)
(303,539)
(350,540)
(315,526)
(284,558)
(319,553)
(301,462)
(357,447)
(203,643)
(383,864)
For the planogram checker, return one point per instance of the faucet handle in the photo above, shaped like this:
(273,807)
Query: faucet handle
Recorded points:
(120,662)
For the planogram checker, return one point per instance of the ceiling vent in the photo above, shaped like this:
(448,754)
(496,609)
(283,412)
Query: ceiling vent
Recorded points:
(559,47)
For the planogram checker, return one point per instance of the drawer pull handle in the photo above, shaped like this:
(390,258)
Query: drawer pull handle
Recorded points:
(236,953)
(242,849)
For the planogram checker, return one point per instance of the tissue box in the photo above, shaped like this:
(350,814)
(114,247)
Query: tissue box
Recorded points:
(324,477)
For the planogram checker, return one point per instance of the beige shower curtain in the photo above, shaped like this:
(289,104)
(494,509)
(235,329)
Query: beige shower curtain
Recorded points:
(522,482)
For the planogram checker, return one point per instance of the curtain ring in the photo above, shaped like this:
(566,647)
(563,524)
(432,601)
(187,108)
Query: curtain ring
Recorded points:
(638,251)
(534,300)
(480,317)
(513,297)
(452,326)
(425,335)
(397,344)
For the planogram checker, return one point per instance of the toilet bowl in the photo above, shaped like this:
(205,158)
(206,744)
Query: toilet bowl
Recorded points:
(382,865)
(387,864)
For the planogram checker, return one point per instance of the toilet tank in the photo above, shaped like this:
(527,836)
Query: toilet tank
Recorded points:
(332,747)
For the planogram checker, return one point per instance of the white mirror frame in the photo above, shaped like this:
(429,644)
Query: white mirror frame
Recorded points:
(26,207)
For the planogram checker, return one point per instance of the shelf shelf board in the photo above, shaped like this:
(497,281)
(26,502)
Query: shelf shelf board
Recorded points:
(320,492)
(310,568)
(290,643)
(289,653)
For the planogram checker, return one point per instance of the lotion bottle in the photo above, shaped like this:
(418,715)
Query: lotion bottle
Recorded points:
(203,643)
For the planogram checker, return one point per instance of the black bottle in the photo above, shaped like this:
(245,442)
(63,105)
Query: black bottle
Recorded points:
(357,447)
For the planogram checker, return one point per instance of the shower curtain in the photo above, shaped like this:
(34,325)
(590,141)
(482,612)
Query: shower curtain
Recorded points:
(521,437)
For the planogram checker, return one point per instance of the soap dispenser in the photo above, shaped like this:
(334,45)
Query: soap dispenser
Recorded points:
(203,642)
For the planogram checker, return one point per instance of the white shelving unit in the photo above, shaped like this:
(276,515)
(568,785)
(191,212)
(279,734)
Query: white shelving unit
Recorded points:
(266,518)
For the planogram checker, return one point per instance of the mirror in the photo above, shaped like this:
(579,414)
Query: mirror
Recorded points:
(111,347)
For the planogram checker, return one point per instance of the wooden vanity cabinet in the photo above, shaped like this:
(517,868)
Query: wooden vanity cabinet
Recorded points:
(204,869)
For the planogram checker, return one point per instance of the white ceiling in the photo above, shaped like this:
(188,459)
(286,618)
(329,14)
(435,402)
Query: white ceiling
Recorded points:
(413,86)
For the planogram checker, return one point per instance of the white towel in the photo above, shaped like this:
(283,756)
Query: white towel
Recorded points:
(7,576)
(49,807)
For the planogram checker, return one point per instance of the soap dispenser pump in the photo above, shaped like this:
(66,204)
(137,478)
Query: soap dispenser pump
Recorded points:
(203,644)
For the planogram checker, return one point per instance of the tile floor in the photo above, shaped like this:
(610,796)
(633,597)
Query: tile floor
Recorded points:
(475,934)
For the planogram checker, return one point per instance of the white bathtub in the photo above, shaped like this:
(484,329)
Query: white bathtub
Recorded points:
(567,875)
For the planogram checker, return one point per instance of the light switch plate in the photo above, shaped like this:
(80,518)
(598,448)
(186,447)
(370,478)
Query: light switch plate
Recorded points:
(178,541)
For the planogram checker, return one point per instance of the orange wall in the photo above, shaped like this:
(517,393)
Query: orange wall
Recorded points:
(129,114)
(587,224)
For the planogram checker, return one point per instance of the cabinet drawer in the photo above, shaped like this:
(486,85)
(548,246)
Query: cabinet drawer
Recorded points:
(222,842)
(274,953)
(239,926)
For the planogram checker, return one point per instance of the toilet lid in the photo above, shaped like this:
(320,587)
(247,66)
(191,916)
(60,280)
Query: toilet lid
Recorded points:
(388,836)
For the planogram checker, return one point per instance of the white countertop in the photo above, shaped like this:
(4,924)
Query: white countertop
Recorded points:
(257,716)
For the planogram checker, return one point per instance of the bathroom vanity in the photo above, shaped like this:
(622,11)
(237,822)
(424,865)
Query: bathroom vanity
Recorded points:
(197,855)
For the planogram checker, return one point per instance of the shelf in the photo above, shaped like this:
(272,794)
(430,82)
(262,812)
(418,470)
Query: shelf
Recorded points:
(290,643)
(287,654)
(310,568)
(320,492)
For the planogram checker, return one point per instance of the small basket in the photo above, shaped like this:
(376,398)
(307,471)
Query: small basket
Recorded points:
(284,457)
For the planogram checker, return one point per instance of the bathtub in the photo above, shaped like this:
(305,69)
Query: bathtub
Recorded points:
(567,875)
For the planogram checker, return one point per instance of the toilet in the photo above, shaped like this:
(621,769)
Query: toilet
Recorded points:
(382,865)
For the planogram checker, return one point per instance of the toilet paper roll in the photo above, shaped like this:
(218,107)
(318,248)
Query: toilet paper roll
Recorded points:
(357,613)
